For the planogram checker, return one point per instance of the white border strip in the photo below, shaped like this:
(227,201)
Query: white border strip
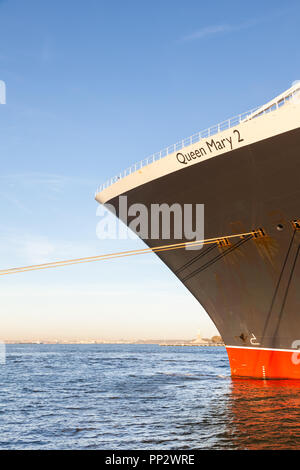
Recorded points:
(263,349)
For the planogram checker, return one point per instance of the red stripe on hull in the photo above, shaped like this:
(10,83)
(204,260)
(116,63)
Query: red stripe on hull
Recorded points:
(264,364)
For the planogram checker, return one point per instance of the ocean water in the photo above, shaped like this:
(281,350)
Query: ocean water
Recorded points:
(140,397)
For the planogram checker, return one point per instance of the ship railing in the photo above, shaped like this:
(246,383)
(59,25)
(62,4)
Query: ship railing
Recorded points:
(210,131)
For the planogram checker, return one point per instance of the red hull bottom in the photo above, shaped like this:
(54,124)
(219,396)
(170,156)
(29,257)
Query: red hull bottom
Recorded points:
(264,363)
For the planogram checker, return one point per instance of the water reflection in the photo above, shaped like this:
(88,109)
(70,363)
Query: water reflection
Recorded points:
(264,414)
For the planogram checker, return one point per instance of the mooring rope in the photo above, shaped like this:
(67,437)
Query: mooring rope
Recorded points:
(120,254)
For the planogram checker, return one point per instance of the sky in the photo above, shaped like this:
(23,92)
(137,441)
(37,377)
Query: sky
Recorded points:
(93,87)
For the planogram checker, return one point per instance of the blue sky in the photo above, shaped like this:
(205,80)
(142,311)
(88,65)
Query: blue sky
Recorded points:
(93,87)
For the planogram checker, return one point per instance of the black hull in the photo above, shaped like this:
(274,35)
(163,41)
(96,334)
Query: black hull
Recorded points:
(251,292)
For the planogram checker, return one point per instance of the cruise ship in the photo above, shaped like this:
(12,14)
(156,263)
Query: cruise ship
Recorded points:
(245,171)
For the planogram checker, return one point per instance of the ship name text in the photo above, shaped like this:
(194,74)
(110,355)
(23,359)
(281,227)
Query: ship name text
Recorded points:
(209,147)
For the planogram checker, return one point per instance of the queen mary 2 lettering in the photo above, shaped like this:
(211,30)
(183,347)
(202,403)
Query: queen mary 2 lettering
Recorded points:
(211,146)
(246,173)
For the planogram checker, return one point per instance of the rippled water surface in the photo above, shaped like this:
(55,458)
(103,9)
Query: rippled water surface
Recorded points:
(140,397)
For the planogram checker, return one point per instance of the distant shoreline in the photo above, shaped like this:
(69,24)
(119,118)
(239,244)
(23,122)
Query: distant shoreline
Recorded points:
(154,342)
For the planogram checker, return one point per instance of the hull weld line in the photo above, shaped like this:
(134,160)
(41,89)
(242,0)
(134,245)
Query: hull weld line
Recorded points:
(277,285)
